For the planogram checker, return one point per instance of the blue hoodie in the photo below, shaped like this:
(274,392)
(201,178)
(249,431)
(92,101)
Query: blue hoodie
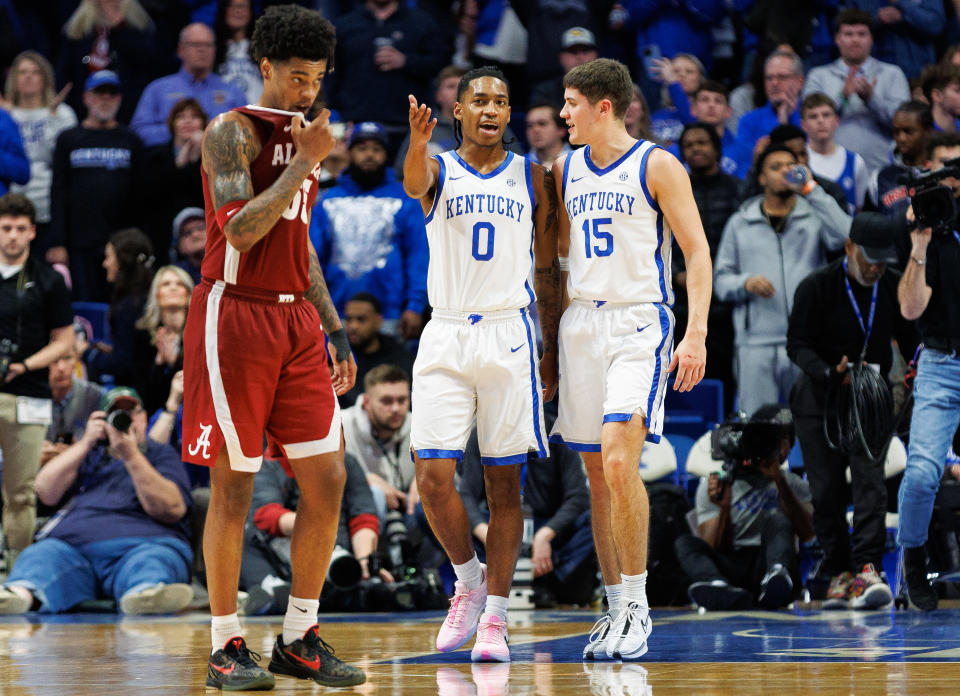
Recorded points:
(372,240)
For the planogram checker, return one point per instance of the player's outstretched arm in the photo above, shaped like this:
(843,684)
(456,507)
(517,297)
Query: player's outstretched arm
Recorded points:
(344,364)
(669,185)
(563,230)
(420,172)
(230,144)
(546,274)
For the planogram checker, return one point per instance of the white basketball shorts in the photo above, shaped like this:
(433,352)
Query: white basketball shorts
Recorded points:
(613,365)
(484,365)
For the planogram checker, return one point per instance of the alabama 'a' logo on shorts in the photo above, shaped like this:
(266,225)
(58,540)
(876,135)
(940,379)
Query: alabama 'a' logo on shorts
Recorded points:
(203,442)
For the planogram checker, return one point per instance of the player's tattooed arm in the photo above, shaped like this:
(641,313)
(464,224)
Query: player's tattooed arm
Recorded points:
(547,271)
(319,296)
(229,146)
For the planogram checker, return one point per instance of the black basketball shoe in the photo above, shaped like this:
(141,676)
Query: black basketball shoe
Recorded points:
(311,657)
(235,668)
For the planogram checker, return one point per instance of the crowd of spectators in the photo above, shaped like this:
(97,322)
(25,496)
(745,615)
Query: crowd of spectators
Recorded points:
(791,121)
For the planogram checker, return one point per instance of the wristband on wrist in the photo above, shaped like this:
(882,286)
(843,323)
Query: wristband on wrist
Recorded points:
(564,263)
(339,340)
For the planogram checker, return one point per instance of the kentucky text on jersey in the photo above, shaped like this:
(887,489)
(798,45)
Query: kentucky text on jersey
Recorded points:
(484,204)
(600,200)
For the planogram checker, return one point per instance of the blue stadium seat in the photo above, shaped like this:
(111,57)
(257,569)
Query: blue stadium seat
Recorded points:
(97,314)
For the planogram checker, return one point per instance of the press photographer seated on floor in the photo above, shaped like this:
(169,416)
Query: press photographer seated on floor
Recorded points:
(123,533)
(749,515)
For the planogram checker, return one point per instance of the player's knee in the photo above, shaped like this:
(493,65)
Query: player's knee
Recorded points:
(432,485)
(617,471)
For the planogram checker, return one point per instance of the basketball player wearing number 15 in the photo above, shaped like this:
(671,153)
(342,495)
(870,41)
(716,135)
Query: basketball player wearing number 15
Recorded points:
(488,214)
(620,201)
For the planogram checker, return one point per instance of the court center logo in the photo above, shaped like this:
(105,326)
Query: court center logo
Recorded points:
(203,442)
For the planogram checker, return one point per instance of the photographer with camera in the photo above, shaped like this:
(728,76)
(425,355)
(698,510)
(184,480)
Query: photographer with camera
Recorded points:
(845,314)
(73,401)
(930,293)
(123,534)
(748,518)
(265,570)
(35,329)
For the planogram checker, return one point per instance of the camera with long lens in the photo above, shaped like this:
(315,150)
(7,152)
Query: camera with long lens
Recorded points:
(741,444)
(934,204)
(397,555)
(344,571)
(7,350)
(120,420)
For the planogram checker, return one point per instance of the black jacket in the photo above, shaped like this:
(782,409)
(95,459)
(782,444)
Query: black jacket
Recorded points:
(823,326)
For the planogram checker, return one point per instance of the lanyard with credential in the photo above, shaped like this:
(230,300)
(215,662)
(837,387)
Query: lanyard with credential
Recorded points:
(856,309)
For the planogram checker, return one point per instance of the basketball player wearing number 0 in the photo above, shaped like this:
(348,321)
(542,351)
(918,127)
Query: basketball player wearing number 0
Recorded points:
(255,361)
(621,199)
(489,213)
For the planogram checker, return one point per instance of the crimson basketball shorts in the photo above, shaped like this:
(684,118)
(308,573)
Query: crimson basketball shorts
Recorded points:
(255,365)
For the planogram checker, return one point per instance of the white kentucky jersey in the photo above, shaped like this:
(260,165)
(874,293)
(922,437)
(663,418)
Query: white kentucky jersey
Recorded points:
(619,241)
(480,232)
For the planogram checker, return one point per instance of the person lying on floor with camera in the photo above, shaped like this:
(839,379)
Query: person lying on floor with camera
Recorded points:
(123,533)
(749,518)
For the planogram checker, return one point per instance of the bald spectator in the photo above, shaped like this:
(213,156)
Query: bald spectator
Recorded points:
(867,91)
(196,79)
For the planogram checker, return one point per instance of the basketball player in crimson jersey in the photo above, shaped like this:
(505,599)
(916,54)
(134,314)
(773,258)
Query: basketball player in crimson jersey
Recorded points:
(254,352)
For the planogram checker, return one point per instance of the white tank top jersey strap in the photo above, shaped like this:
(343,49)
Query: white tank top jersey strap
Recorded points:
(480,233)
(619,241)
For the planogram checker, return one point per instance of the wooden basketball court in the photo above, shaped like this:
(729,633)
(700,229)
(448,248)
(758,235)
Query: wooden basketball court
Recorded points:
(770,653)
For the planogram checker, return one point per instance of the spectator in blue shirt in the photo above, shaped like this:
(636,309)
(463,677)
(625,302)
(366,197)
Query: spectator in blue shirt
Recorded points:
(783,81)
(370,236)
(14,165)
(124,534)
(196,79)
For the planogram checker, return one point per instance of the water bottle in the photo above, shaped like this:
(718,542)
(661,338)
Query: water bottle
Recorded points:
(796,175)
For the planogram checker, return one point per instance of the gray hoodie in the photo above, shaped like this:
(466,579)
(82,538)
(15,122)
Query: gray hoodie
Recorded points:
(749,246)
(389,460)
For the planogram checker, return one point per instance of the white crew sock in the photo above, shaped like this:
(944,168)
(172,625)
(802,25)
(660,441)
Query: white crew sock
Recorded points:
(496,606)
(222,629)
(301,616)
(635,588)
(614,594)
(470,573)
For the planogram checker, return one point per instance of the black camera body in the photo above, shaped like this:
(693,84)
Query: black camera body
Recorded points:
(742,444)
(934,204)
(7,350)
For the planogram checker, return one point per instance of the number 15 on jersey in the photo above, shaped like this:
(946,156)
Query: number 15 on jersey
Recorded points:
(594,230)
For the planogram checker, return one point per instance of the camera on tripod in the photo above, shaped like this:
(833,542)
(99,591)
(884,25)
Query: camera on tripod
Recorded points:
(742,443)
(7,350)
(934,204)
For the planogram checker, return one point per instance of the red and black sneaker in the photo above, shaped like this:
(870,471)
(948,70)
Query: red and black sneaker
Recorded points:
(311,657)
(235,668)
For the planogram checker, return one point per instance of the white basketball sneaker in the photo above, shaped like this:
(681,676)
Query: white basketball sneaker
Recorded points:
(596,647)
(628,634)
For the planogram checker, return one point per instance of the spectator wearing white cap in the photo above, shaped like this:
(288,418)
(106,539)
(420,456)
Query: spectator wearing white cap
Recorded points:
(578,45)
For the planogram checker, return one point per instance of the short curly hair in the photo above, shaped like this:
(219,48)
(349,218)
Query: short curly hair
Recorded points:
(292,31)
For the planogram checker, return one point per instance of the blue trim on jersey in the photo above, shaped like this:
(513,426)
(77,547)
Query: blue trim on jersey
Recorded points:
(566,174)
(655,382)
(849,174)
(541,450)
(439,454)
(528,168)
(609,168)
(575,446)
(658,259)
(643,178)
(436,197)
(617,417)
(503,165)
(500,461)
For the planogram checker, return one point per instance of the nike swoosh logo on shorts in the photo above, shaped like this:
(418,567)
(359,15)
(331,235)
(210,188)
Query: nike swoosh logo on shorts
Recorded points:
(641,328)
(514,350)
